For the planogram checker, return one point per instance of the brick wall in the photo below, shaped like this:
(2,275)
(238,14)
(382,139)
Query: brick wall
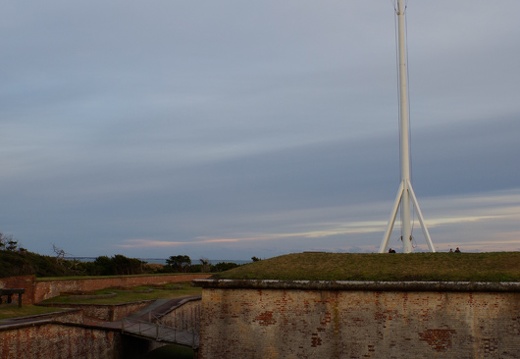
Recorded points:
(185,317)
(105,312)
(48,289)
(37,291)
(25,281)
(309,321)
(55,341)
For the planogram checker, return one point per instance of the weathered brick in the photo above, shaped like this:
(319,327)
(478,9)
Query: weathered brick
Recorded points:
(274,323)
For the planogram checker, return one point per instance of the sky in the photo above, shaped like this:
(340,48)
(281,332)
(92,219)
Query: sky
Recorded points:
(230,129)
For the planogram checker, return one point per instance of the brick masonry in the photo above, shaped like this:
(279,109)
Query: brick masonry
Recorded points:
(59,341)
(104,312)
(185,317)
(293,322)
(68,335)
(39,290)
(25,281)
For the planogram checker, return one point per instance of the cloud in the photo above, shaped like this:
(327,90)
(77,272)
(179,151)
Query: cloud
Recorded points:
(252,128)
(147,243)
(446,219)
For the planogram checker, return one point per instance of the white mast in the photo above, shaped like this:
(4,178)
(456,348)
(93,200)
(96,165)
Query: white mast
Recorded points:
(405,193)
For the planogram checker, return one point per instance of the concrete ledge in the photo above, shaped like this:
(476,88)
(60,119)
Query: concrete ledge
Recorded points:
(64,316)
(408,286)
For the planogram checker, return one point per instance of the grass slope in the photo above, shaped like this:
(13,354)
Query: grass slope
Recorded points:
(113,296)
(487,267)
(13,311)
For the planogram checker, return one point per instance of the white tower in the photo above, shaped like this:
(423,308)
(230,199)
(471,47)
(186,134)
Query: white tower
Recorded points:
(405,194)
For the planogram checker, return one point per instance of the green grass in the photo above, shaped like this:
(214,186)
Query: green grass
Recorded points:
(80,277)
(13,311)
(126,295)
(487,267)
(122,295)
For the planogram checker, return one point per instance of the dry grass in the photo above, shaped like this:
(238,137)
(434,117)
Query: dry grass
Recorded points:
(488,267)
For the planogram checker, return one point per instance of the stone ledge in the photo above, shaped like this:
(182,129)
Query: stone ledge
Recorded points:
(404,286)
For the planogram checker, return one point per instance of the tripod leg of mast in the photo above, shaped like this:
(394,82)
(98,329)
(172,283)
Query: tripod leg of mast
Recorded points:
(421,219)
(391,221)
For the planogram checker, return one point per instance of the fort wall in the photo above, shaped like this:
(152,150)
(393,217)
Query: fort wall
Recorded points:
(184,317)
(277,319)
(76,333)
(39,290)
(58,340)
(68,334)
(105,312)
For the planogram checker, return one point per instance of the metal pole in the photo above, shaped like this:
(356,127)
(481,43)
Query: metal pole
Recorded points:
(405,193)
(406,232)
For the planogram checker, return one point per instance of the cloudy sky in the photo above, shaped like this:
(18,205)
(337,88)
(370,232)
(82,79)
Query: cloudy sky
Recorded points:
(230,129)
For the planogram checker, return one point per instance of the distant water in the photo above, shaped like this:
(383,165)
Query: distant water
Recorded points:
(211,261)
(163,260)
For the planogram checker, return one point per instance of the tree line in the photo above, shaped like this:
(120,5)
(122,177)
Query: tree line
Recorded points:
(15,260)
(121,265)
(183,264)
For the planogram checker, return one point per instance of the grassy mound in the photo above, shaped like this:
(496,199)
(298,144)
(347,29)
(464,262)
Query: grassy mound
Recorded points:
(485,267)
(114,296)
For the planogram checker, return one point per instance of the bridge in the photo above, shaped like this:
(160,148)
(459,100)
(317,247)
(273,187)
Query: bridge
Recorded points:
(162,322)
(160,333)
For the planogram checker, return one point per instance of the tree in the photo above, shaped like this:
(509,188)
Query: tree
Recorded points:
(60,253)
(205,265)
(116,265)
(255,259)
(102,266)
(223,266)
(12,245)
(125,265)
(179,263)
(7,242)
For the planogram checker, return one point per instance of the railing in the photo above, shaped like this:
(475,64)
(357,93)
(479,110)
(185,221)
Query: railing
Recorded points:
(153,329)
